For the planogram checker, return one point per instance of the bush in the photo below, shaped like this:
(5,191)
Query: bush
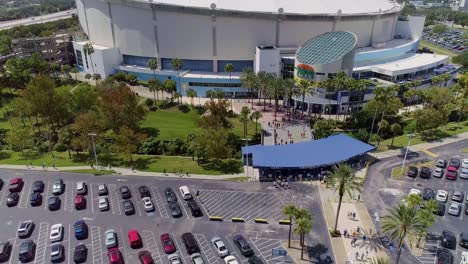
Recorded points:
(120,76)
(60,147)
(131,78)
(149,102)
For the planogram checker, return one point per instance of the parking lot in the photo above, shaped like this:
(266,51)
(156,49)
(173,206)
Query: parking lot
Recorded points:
(392,191)
(254,201)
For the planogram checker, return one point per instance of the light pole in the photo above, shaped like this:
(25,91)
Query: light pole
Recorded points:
(410,136)
(94,148)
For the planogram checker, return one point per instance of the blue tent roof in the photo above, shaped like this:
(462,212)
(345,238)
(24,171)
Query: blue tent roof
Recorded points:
(311,154)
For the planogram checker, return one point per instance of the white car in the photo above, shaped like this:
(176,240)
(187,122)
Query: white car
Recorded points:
(174,259)
(103,204)
(148,204)
(454,209)
(56,233)
(415,192)
(110,238)
(438,172)
(81,187)
(442,196)
(197,258)
(464,173)
(220,247)
(464,164)
(230,260)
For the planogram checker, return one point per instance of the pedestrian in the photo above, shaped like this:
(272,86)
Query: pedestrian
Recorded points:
(358,228)
(357,255)
(367,253)
(348,214)
(362,256)
(364,237)
(345,232)
(359,198)
(354,215)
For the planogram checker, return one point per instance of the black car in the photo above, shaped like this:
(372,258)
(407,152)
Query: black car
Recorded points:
(54,203)
(448,240)
(444,257)
(440,209)
(144,191)
(428,194)
(454,163)
(5,251)
(128,207)
(243,245)
(175,209)
(25,229)
(190,243)
(36,199)
(27,249)
(1,184)
(463,240)
(425,173)
(412,172)
(57,252)
(12,199)
(255,260)
(125,192)
(170,195)
(81,229)
(194,208)
(80,254)
(38,186)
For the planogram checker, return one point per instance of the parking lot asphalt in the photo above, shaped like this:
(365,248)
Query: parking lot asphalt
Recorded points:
(382,192)
(247,200)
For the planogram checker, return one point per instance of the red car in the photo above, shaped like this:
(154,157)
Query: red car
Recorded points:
(145,257)
(15,185)
(167,243)
(115,257)
(134,239)
(80,202)
(451,173)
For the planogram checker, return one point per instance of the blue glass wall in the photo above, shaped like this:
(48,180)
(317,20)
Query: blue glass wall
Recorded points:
(136,60)
(193,65)
(386,53)
(239,65)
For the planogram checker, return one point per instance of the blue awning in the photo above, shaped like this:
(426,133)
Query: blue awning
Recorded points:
(311,154)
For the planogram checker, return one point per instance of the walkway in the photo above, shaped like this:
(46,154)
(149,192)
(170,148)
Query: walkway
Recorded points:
(127,172)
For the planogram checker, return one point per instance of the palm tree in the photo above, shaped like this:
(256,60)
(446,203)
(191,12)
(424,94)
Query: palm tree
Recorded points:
(396,130)
(153,65)
(255,116)
(218,93)
(382,95)
(402,221)
(97,77)
(88,50)
(304,88)
(329,85)
(177,64)
(264,82)
(436,80)
(249,80)
(244,118)
(343,180)
(303,227)
(277,88)
(290,211)
(66,70)
(351,84)
(229,68)
(75,72)
(380,261)
(153,86)
(210,94)
(88,77)
(178,97)
(340,82)
(170,87)
(191,93)
(382,125)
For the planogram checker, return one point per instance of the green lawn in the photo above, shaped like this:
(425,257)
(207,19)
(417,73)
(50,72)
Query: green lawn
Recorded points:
(437,49)
(60,159)
(94,172)
(449,130)
(238,179)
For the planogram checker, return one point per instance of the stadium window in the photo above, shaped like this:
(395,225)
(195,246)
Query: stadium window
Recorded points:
(79,58)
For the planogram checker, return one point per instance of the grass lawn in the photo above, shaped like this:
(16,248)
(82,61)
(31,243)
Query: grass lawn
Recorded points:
(465,150)
(174,123)
(437,49)
(94,172)
(449,130)
(238,179)
(60,159)
(397,173)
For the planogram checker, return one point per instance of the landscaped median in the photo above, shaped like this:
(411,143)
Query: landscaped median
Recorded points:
(397,173)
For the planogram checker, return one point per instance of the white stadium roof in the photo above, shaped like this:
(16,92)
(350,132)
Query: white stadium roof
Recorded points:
(304,7)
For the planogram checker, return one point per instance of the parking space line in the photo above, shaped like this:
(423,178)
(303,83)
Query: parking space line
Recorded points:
(13,248)
(211,196)
(122,244)
(151,245)
(182,201)
(69,187)
(252,211)
(5,191)
(206,248)
(114,199)
(96,244)
(91,199)
(23,203)
(217,199)
(69,243)
(217,205)
(235,211)
(47,194)
(274,212)
(159,203)
(229,205)
(264,247)
(233,250)
(41,243)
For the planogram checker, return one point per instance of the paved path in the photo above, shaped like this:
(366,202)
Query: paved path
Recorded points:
(127,172)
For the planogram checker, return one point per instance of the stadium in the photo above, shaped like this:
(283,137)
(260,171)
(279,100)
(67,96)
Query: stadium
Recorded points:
(292,38)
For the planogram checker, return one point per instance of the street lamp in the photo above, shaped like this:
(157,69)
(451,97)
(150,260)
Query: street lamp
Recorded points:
(94,148)
(410,136)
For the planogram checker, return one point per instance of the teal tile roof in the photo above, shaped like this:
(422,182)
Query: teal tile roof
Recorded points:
(326,48)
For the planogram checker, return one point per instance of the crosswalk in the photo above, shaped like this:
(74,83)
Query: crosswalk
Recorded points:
(205,247)
(96,245)
(160,204)
(41,246)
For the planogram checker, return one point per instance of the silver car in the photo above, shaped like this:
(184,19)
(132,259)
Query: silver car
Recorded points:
(464,173)
(111,238)
(197,258)
(220,247)
(454,209)
(103,204)
(438,172)
(174,259)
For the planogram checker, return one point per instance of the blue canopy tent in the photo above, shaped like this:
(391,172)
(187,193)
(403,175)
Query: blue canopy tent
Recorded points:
(312,154)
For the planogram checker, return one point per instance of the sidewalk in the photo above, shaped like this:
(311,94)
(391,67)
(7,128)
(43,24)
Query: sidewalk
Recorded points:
(126,172)
(423,146)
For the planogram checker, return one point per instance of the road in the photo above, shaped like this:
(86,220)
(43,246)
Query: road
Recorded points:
(38,19)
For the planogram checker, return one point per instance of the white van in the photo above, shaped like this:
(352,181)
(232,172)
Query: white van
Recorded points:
(185,193)
(464,258)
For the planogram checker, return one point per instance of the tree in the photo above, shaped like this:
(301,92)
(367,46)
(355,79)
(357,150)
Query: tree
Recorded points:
(380,261)
(66,70)
(125,142)
(170,87)
(339,84)
(83,125)
(20,139)
(229,68)
(276,89)
(65,137)
(97,77)
(191,93)
(244,118)
(216,115)
(178,96)
(343,180)
(75,72)
(88,77)
(177,64)
(255,116)
(382,125)
(88,50)
(249,81)
(264,82)
(304,88)
(462,59)
(396,130)
(303,227)
(439,29)
(324,128)
(290,212)
(153,65)
(154,85)
(212,143)
(402,221)
(84,99)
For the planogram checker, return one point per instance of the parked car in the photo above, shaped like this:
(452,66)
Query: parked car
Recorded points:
(125,192)
(243,245)
(134,239)
(12,199)
(81,229)
(464,163)
(457,196)
(412,172)
(115,257)
(175,209)
(428,194)
(448,240)
(81,188)
(103,204)
(129,209)
(25,229)
(464,173)
(80,202)
(148,204)
(167,243)
(441,163)
(415,192)
(454,162)
(57,252)
(27,250)
(190,243)
(425,173)
(194,208)
(451,173)
(145,257)
(35,199)
(102,189)
(442,196)
(184,190)
(110,238)
(257,260)
(56,233)
(5,251)
(38,187)
(438,172)
(174,259)
(170,195)
(221,249)
(454,209)
(230,260)
(444,257)
(58,187)
(440,209)
(15,185)
(197,258)
(54,203)
(80,254)
(463,240)
(144,191)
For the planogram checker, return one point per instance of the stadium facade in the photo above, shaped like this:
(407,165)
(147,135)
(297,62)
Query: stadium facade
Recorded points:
(292,38)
